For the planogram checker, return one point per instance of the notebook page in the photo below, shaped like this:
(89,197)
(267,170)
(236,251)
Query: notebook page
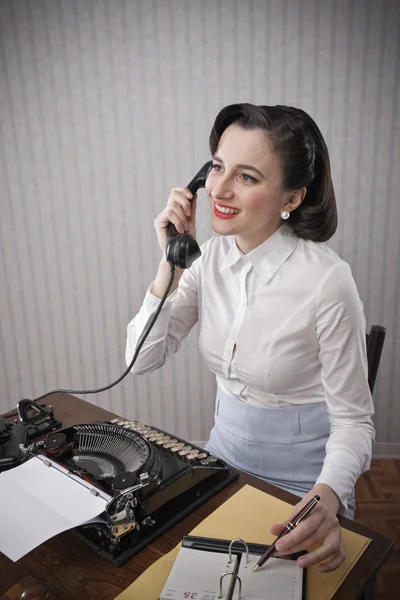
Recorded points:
(278,579)
(196,574)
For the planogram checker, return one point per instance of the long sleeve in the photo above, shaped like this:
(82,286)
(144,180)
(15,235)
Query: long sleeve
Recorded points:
(177,317)
(340,329)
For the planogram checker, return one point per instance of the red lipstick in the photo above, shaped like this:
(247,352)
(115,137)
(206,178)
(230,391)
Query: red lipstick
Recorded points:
(222,215)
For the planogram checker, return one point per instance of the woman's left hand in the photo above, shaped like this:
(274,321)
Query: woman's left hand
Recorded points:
(320,527)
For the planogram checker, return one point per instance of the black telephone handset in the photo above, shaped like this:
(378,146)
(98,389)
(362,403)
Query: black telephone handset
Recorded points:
(182,249)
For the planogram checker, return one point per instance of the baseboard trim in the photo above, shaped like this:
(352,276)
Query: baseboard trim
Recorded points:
(379,449)
(386,450)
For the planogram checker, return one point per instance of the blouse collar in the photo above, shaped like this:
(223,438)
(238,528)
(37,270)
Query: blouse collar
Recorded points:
(269,256)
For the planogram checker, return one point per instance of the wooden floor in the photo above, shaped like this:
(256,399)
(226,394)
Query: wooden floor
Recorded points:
(378,507)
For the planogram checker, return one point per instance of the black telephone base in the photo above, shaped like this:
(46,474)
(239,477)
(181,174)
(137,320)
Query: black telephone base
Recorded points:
(38,420)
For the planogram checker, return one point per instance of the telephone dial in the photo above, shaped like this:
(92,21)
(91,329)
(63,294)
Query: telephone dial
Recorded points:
(182,249)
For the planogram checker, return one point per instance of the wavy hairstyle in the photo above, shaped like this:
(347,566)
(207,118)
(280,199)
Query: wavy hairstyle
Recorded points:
(304,158)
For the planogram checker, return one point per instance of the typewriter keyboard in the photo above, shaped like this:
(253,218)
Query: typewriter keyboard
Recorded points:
(173,445)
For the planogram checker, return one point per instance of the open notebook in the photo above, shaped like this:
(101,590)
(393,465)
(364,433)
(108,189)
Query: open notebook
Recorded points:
(211,569)
(234,519)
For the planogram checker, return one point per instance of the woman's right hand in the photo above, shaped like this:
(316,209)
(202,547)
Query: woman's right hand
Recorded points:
(181,211)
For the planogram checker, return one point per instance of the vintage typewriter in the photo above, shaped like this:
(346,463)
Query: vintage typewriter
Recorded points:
(150,479)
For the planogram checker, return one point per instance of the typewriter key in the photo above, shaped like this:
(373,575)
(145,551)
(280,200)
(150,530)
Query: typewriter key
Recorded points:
(195,452)
(167,445)
(177,447)
(191,456)
(205,461)
(171,443)
(202,455)
(212,459)
(185,450)
(162,441)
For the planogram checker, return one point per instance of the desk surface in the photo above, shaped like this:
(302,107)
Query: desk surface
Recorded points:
(70,569)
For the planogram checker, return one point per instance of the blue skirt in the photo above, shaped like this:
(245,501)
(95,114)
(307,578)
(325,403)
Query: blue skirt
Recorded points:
(283,446)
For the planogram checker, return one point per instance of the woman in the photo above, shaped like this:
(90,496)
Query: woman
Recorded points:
(280,321)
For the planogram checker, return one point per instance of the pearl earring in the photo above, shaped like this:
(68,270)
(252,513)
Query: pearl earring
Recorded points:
(285,214)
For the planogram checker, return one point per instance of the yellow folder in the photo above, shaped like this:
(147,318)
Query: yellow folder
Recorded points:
(248,515)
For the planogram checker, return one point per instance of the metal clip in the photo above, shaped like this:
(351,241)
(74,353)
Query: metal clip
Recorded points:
(234,575)
(230,550)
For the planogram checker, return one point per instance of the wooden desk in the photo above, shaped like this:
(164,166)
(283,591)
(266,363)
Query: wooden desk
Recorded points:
(72,571)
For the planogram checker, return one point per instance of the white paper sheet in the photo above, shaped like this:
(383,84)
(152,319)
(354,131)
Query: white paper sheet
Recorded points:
(37,502)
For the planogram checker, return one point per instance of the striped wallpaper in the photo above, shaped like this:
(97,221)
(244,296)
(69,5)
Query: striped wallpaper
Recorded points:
(105,105)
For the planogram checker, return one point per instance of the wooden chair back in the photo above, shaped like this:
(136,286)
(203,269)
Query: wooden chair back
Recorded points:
(375,339)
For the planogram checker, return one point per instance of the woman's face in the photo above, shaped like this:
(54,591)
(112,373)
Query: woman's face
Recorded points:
(245,188)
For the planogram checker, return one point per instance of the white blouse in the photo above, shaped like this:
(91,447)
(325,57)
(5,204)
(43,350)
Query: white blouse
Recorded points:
(281,325)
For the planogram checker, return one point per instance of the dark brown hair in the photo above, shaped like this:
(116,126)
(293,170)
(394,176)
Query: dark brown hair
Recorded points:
(304,159)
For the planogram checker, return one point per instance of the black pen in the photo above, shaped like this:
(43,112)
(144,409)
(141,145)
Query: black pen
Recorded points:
(288,528)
